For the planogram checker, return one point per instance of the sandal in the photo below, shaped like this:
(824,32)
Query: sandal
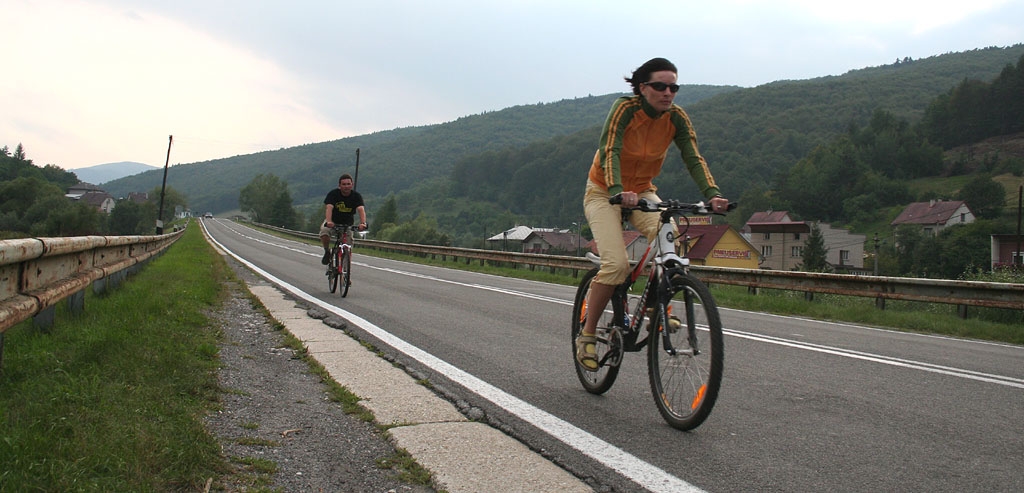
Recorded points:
(586,352)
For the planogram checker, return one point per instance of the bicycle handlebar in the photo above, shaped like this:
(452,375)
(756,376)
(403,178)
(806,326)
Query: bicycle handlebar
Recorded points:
(342,227)
(645,205)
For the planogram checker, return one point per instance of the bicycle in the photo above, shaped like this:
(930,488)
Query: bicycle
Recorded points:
(686,372)
(340,266)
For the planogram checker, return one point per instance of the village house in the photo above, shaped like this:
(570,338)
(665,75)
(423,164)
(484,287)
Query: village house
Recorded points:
(935,215)
(138,197)
(547,241)
(92,195)
(510,240)
(636,245)
(552,242)
(718,245)
(780,241)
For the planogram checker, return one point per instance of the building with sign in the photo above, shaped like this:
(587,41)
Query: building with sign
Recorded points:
(717,246)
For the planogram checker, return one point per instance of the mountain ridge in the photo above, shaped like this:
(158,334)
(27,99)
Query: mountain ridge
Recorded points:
(747,134)
(102,173)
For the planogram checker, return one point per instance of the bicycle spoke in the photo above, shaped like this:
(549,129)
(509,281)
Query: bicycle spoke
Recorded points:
(684,379)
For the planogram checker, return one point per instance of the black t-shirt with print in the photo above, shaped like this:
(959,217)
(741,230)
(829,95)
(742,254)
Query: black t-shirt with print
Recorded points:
(344,207)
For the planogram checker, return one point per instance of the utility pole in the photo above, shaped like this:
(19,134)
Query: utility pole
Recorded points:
(1019,258)
(160,214)
(876,253)
(355,180)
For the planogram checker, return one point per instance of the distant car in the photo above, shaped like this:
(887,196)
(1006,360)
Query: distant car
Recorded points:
(209,215)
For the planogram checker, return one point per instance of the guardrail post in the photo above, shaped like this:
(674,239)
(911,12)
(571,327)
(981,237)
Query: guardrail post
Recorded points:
(880,303)
(99,286)
(1,352)
(44,319)
(76,303)
(961,311)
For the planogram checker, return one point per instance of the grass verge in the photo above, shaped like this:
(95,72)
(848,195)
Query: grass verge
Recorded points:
(113,399)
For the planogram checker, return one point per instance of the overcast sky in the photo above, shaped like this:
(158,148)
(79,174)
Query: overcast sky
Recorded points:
(97,81)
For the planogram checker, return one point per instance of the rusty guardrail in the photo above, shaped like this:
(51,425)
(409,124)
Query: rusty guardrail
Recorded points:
(960,293)
(37,273)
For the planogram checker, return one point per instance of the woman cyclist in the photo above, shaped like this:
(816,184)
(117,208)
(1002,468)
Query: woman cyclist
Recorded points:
(634,142)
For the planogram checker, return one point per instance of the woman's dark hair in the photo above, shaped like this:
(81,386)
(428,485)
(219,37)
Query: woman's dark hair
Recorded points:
(643,73)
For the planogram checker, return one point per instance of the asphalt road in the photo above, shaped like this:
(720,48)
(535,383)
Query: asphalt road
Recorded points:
(804,406)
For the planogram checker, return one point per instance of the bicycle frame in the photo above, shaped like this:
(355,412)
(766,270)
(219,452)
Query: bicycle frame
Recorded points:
(660,260)
(684,350)
(343,241)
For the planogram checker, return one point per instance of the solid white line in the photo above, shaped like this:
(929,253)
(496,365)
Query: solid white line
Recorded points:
(887,360)
(645,474)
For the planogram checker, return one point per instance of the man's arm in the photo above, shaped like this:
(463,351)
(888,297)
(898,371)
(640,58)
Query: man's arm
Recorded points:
(328,212)
(362,215)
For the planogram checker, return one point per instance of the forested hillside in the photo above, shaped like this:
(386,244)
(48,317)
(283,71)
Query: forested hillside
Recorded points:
(752,139)
(481,174)
(390,161)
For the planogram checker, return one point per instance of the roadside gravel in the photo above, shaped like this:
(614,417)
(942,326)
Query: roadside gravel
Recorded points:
(275,413)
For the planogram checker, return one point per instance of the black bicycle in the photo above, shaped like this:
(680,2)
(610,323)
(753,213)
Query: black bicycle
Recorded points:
(683,333)
(339,270)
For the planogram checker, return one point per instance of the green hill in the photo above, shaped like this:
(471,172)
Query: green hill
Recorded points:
(529,162)
(390,161)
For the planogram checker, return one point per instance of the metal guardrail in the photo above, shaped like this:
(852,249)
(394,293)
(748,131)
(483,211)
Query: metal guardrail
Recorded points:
(37,273)
(961,293)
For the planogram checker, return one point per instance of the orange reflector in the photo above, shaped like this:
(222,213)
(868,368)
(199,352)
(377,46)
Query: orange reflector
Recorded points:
(699,397)
(583,312)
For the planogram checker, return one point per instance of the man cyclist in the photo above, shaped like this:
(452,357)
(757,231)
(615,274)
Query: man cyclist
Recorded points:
(342,204)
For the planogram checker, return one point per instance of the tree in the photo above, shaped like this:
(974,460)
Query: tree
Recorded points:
(281,211)
(984,196)
(387,215)
(172,199)
(58,216)
(815,255)
(260,196)
(130,218)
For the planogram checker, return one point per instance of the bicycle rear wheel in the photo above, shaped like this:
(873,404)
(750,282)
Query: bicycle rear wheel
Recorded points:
(346,272)
(332,271)
(609,342)
(686,375)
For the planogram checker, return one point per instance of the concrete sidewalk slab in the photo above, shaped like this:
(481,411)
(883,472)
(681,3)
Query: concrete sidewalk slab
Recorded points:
(463,456)
(485,459)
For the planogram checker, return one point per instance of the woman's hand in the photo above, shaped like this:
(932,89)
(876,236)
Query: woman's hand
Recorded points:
(629,199)
(719,205)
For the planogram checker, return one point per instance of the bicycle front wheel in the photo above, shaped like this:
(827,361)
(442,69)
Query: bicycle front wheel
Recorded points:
(332,271)
(685,354)
(609,347)
(346,272)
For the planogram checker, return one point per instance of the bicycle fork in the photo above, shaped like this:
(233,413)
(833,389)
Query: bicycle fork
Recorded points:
(668,324)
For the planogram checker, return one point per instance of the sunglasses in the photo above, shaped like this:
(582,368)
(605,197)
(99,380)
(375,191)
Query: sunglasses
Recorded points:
(661,86)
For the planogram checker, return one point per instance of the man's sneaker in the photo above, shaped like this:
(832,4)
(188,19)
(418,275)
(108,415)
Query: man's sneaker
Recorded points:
(327,258)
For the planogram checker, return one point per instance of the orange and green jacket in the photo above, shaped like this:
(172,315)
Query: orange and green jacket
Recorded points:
(634,143)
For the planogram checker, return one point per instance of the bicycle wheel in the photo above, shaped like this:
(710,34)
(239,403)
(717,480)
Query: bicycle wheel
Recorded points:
(346,271)
(685,384)
(609,342)
(332,271)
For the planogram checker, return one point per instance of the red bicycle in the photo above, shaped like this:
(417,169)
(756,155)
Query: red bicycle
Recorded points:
(339,270)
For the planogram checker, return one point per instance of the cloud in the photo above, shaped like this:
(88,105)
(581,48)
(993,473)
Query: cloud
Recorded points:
(106,76)
(96,81)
